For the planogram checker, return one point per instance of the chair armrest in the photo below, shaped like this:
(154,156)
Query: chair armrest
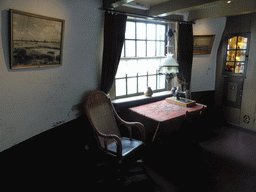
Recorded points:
(139,125)
(118,144)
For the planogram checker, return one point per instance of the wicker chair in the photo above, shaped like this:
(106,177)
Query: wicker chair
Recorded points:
(106,123)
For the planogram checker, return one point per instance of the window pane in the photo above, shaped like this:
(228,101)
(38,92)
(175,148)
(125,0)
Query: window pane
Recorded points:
(242,42)
(239,67)
(152,66)
(231,55)
(141,30)
(161,60)
(120,87)
(121,71)
(142,66)
(130,48)
(122,54)
(151,31)
(230,66)
(160,48)
(132,67)
(161,82)
(132,85)
(152,82)
(160,32)
(141,48)
(240,55)
(142,84)
(232,43)
(151,47)
(130,30)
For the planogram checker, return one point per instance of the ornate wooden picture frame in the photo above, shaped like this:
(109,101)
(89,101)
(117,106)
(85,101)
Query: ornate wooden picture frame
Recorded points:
(36,41)
(203,44)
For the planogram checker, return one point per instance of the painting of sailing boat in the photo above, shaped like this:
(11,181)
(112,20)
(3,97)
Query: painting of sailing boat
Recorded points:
(36,41)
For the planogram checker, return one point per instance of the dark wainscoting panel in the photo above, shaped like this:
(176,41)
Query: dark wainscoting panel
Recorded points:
(66,139)
(204,97)
(73,136)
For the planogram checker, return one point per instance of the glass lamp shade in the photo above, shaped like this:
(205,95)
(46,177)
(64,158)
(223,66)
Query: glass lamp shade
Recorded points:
(169,65)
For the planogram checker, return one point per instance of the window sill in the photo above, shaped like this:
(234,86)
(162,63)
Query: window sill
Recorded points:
(143,98)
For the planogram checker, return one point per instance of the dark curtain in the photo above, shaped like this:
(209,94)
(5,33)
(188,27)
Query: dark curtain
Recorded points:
(114,34)
(185,53)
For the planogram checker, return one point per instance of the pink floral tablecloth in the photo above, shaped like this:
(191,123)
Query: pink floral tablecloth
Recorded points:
(161,111)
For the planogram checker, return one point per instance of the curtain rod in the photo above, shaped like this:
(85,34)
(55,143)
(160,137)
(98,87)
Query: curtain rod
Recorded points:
(146,16)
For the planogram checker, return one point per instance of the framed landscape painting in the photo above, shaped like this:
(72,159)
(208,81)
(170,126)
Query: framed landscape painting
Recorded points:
(36,41)
(203,44)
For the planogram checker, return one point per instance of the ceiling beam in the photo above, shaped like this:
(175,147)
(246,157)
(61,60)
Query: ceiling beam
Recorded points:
(171,18)
(131,10)
(174,6)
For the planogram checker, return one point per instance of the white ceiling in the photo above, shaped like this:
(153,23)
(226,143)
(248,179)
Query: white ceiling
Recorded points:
(196,9)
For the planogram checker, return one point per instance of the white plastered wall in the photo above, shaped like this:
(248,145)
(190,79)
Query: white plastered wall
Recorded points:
(204,66)
(35,100)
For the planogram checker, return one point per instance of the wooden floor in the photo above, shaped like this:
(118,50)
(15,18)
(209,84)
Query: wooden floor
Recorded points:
(223,161)
(231,159)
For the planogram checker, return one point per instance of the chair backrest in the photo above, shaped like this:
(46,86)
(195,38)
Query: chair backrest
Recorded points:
(100,112)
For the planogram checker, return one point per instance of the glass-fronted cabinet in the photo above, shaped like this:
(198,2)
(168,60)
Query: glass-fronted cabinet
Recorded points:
(236,59)
(237,54)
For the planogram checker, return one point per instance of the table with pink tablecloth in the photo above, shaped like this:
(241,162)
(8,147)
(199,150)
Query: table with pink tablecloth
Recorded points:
(163,111)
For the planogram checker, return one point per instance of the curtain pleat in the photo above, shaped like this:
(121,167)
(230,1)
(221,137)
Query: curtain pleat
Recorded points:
(114,34)
(185,53)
